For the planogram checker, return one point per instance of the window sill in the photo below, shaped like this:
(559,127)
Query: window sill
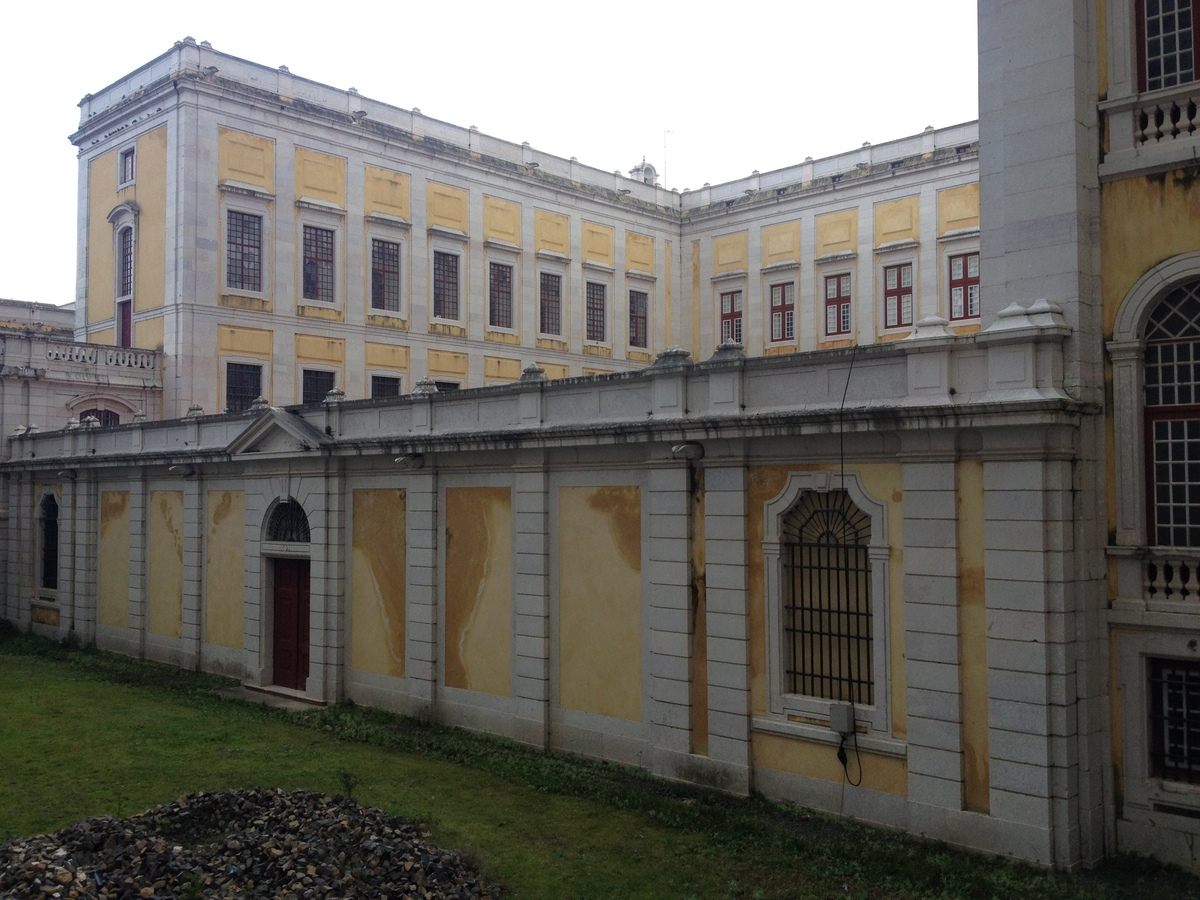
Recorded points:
(818,734)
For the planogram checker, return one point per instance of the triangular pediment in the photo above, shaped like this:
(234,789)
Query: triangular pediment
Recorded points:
(276,432)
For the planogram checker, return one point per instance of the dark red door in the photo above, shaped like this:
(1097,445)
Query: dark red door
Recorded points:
(291,623)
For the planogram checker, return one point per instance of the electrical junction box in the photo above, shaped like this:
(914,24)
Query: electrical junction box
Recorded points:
(841,718)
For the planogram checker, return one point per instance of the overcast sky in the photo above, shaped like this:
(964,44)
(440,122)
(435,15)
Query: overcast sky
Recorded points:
(703,95)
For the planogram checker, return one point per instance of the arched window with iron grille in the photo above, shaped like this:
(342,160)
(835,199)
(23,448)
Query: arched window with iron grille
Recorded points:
(288,523)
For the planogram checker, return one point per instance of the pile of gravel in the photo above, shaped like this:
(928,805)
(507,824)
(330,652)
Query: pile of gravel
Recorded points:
(257,843)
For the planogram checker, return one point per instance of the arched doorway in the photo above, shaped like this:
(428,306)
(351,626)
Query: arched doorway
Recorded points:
(290,591)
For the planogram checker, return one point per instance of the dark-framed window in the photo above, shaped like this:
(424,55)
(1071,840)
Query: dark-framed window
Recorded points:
(125,262)
(127,166)
(1174,687)
(243,251)
(783,311)
(596,312)
(445,285)
(827,611)
(639,302)
(731,316)
(318,264)
(385,386)
(898,295)
(124,323)
(964,286)
(243,385)
(550,303)
(105,417)
(838,298)
(1166,42)
(315,384)
(48,527)
(500,295)
(385,275)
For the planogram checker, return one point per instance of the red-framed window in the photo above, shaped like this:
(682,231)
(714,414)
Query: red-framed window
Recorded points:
(445,285)
(243,251)
(964,286)
(550,303)
(898,295)
(837,304)
(596,297)
(731,317)
(500,295)
(125,262)
(638,313)
(385,275)
(318,264)
(1166,42)
(124,323)
(783,311)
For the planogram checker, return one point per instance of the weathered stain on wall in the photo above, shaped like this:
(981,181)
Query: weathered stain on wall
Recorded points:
(886,774)
(479,589)
(224,569)
(377,573)
(972,636)
(600,600)
(114,559)
(165,584)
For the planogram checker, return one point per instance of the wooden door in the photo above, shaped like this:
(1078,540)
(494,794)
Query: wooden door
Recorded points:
(291,623)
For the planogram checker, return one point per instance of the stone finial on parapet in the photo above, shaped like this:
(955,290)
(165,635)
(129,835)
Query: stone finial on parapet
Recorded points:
(260,403)
(194,411)
(335,395)
(533,374)
(728,351)
(672,358)
(930,327)
(139,417)
(424,387)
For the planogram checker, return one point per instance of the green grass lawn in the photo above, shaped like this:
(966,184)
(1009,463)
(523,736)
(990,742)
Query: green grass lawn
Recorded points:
(84,733)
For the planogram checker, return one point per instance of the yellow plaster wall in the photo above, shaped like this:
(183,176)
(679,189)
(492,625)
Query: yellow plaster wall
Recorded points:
(555,371)
(670,341)
(600,600)
(479,589)
(695,348)
(446,362)
(377,572)
(888,774)
(387,192)
(446,206)
(320,176)
(148,333)
(781,243)
(315,348)
(598,243)
(898,220)
(247,158)
(499,368)
(386,356)
(587,371)
(102,336)
(731,252)
(837,232)
(149,192)
(102,197)
(224,569)
(958,208)
(639,252)
(114,558)
(972,636)
(165,581)
(501,220)
(256,343)
(551,232)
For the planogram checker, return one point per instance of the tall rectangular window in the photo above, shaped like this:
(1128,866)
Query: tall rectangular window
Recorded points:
(783,312)
(964,286)
(731,317)
(596,312)
(318,264)
(314,385)
(898,295)
(1166,35)
(243,251)
(385,275)
(125,262)
(1175,719)
(550,303)
(500,295)
(445,285)
(385,386)
(125,323)
(837,304)
(638,316)
(243,385)
(127,165)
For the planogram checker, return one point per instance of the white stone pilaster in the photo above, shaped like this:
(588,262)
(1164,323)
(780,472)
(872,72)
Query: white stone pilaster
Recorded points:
(531,607)
(421,600)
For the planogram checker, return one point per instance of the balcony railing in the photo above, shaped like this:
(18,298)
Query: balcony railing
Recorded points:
(1152,130)
(1172,576)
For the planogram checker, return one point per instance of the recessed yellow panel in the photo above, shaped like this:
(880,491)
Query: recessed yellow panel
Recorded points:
(445,362)
(501,220)
(377,571)
(102,197)
(320,176)
(887,774)
(247,158)
(781,243)
(587,372)
(598,243)
(224,569)
(387,192)
(552,232)
(958,208)
(837,232)
(499,368)
(148,334)
(479,589)
(244,341)
(446,206)
(897,220)
(600,600)
(165,582)
(149,191)
(555,371)
(731,252)
(314,348)
(114,559)
(385,356)
(639,252)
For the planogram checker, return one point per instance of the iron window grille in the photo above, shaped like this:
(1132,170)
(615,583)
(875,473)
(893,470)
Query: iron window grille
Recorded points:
(596,312)
(827,625)
(898,295)
(318,264)
(1175,719)
(445,286)
(638,315)
(49,536)
(551,303)
(500,299)
(385,275)
(964,286)
(731,317)
(243,385)
(106,417)
(125,274)
(385,386)
(243,251)
(1166,34)
(783,312)
(315,385)
(288,523)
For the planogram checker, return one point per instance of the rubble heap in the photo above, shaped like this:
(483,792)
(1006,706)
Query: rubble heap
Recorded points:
(256,843)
